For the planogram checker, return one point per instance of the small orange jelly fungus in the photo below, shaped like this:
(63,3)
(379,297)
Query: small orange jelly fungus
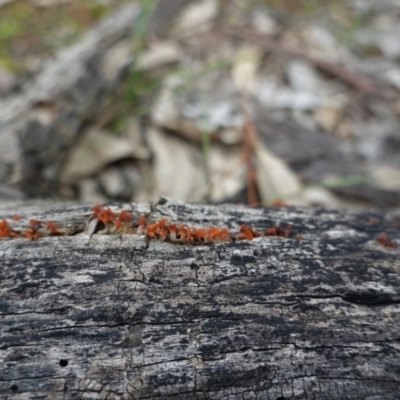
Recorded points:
(53,228)
(384,241)
(105,215)
(6,231)
(33,232)
(124,220)
(122,223)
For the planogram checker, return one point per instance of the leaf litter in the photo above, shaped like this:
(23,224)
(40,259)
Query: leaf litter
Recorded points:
(321,91)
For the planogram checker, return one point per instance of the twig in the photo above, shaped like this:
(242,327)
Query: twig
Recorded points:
(249,144)
(358,81)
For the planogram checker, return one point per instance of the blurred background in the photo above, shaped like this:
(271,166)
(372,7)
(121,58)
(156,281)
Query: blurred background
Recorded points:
(267,102)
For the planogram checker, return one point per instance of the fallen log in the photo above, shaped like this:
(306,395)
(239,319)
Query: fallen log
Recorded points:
(121,317)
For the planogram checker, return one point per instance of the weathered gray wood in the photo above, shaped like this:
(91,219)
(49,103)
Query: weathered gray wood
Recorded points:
(41,120)
(273,318)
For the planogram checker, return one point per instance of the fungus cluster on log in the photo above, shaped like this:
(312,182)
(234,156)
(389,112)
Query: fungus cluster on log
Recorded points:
(106,221)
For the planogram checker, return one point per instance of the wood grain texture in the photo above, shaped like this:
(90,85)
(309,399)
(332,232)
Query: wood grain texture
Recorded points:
(115,317)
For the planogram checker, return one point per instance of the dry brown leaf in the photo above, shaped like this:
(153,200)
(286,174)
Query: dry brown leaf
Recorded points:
(227,172)
(97,149)
(245,66)
(165,110)
(133,133)
(328,118)
(178,170)
(317,196)
(275,180)
(159,54)
(197,16)
(386,177)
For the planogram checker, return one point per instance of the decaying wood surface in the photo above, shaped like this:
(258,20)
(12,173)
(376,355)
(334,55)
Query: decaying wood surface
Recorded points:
(115,317)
